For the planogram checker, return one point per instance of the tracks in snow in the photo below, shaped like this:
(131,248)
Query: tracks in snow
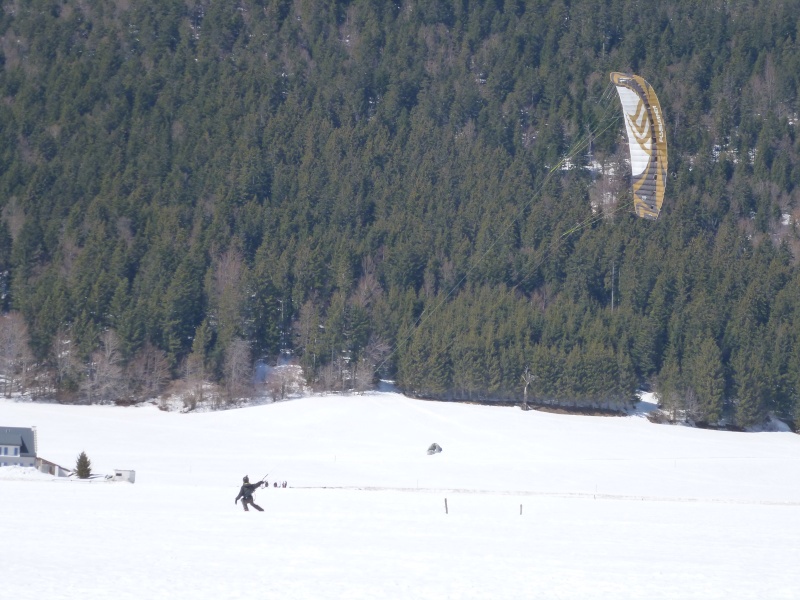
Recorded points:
(566,495)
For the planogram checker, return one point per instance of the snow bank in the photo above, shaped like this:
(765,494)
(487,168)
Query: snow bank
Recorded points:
(16,472)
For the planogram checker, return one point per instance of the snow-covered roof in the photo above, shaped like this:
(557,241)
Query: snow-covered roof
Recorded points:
(18,436)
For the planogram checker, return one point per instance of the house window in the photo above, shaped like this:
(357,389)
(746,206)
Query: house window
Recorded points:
(5,450)
(16,451)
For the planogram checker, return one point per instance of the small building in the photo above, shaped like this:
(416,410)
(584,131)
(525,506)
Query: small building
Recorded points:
(18,446)
(124,475)
(51,468)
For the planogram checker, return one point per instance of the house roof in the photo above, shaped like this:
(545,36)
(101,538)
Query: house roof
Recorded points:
(18,436)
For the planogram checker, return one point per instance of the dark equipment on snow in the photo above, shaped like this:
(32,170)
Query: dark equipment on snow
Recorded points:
(434,448)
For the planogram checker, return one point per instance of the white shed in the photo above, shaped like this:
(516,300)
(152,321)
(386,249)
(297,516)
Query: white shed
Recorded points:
(124,475)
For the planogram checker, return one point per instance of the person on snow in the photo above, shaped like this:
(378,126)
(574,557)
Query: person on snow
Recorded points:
(246,493)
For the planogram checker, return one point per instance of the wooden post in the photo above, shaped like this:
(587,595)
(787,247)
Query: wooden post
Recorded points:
(445,507)
(520,510)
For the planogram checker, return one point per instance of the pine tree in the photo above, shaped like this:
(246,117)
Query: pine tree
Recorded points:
(83,466)
(669,388)
(707,380)
(750,376)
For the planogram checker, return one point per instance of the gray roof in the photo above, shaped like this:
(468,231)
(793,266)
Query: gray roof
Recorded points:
(18,436)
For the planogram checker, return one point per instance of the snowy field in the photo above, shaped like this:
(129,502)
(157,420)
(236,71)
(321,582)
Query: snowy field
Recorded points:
(611,507)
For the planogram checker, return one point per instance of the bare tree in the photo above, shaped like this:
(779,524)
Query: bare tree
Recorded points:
(527,378)
(764,89)
(364,374)
(331,375)
(691,405)
(226,296)
(238,369)
(369,288)
(194,376)
(148,372)
(375,354)
(41,382)
(15,354)
(110,374)
(283,380)
(277,384)
(104,379)
(371,360)
(66,366)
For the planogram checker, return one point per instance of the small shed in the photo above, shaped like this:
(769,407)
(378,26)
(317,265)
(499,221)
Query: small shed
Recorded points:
(51,468)
(124,475)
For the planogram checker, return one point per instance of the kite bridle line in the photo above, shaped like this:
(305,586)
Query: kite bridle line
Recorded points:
(606,122)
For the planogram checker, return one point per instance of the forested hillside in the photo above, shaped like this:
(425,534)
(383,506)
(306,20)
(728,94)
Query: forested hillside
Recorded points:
(189,188)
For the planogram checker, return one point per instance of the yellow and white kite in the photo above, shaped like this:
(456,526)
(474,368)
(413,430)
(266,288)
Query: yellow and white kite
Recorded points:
(647,139)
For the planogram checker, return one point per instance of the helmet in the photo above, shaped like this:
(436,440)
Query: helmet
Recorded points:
(246,479)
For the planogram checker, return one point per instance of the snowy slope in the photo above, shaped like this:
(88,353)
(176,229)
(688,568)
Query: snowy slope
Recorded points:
(611,507)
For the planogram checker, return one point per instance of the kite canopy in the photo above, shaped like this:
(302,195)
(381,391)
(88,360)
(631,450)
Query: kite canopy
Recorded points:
(647,140)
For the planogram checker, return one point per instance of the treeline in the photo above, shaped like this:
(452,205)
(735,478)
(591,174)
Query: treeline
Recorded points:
(188,189)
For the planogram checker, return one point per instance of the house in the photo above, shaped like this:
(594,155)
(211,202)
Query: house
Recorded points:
(18,446)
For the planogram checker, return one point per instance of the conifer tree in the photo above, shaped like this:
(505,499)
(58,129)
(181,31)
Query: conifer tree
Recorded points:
(83,466)
(670,389)
(750,376)
(706,378)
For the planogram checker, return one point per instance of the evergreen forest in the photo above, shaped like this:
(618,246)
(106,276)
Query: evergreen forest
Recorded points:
(433,192)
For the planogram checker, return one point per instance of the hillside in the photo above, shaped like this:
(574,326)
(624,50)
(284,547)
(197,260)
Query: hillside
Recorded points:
(611,507)
(188,189)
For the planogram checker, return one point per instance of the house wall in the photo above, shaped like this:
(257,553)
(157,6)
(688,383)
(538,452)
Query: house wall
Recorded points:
(6,451)
(10,456)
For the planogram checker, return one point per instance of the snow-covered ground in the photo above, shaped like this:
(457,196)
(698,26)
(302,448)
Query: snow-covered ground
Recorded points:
(611,507)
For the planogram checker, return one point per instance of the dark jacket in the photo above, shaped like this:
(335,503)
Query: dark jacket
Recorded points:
(247,490)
